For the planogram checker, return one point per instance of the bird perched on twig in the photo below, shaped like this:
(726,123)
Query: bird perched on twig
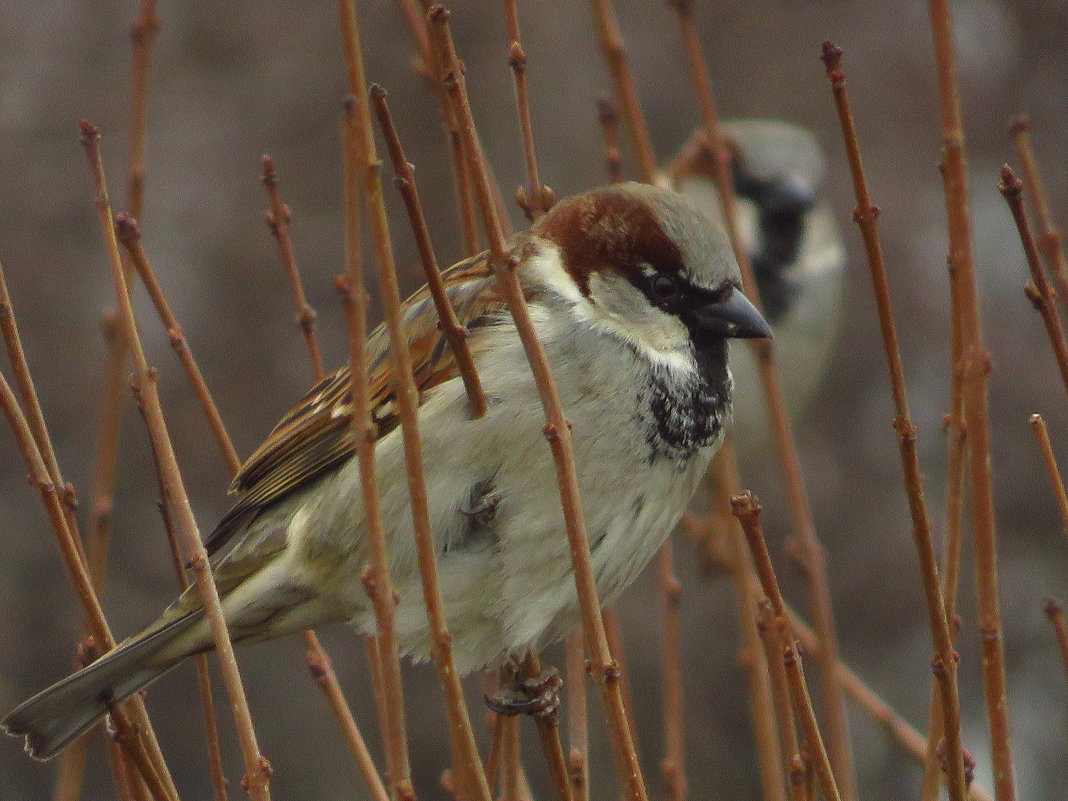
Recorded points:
(634,294)
(795,248)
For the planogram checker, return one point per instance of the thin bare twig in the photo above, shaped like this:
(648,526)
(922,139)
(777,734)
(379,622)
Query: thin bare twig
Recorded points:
(461,169)
(673,764)
(956,429)
(31,403)
(615,55)
(614,636)
(609,119)
(577,726)
(383,650)
(72,763)
(315,656)
(1038,425)
(215,766)
(1038,290)
(865,215)
(1049,235)
(746,508)
(746,589)
(454,331)
(81,583)
(612,46)
(498,725)
(714,141)
(1055,613)
(806,548)
(465,752)
(900,729)
(127,787)
(143,32)
(142,773)
(70,773)
(511,769)
(975,368)
(536,199)
(549,734)
(107,453)
(956,461)
(278,223)
(557,429)
(257,769)
(318,661)
(129,235)
(323,673)
(780,690)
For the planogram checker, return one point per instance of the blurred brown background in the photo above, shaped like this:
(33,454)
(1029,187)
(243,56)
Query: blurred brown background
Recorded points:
(233,80)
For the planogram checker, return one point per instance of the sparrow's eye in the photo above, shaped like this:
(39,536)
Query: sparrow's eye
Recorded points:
(665,287)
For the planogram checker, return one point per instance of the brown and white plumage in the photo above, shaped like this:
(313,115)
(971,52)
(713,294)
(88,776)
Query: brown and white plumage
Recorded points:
(633,294)
(316,434)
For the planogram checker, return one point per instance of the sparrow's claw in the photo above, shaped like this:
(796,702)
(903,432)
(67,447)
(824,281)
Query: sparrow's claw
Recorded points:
(482,502)
(538,697)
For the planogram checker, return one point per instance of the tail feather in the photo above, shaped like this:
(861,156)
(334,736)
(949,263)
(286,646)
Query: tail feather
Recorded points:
(53,718)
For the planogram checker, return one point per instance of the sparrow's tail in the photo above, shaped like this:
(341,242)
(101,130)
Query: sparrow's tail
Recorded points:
(53,718)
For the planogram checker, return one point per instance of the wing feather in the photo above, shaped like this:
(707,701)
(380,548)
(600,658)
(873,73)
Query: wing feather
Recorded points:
(315,436)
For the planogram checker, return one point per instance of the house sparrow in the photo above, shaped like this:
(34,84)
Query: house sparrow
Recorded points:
(794,247)
(634,293)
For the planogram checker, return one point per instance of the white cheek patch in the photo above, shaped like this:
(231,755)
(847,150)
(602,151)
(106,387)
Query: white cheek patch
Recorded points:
(623,311)
(617,308)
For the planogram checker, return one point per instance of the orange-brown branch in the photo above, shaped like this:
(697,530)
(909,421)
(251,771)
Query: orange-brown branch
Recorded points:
(257,769)
(466,760)
(278,223)
(536,199)
(1042,435)
(1055,613)
(1050,237)
(615,55)
(809,551)
(1038,290)
(746,508)
(975,367)
(384,654)
(780,689)
(673,763)
(735,557)
(866,217)
(454,331)
(557,428)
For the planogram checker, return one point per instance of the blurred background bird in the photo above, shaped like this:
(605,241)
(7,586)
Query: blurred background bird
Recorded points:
(795,250)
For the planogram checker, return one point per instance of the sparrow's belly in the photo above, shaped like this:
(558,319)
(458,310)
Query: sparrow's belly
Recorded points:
(503,558)
(500,538)
(510,584)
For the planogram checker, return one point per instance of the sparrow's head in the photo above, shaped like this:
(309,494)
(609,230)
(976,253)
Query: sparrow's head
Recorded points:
(646,264)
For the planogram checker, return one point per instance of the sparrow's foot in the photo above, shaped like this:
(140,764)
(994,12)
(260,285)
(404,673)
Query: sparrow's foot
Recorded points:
(482,502)
(538,696)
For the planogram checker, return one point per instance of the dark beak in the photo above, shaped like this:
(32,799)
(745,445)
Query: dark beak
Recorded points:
(734,317)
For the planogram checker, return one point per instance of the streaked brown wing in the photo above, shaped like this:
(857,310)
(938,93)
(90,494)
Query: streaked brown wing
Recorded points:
(316,435)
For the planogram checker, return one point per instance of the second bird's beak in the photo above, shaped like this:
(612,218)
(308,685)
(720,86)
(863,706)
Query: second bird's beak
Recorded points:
(734,317)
